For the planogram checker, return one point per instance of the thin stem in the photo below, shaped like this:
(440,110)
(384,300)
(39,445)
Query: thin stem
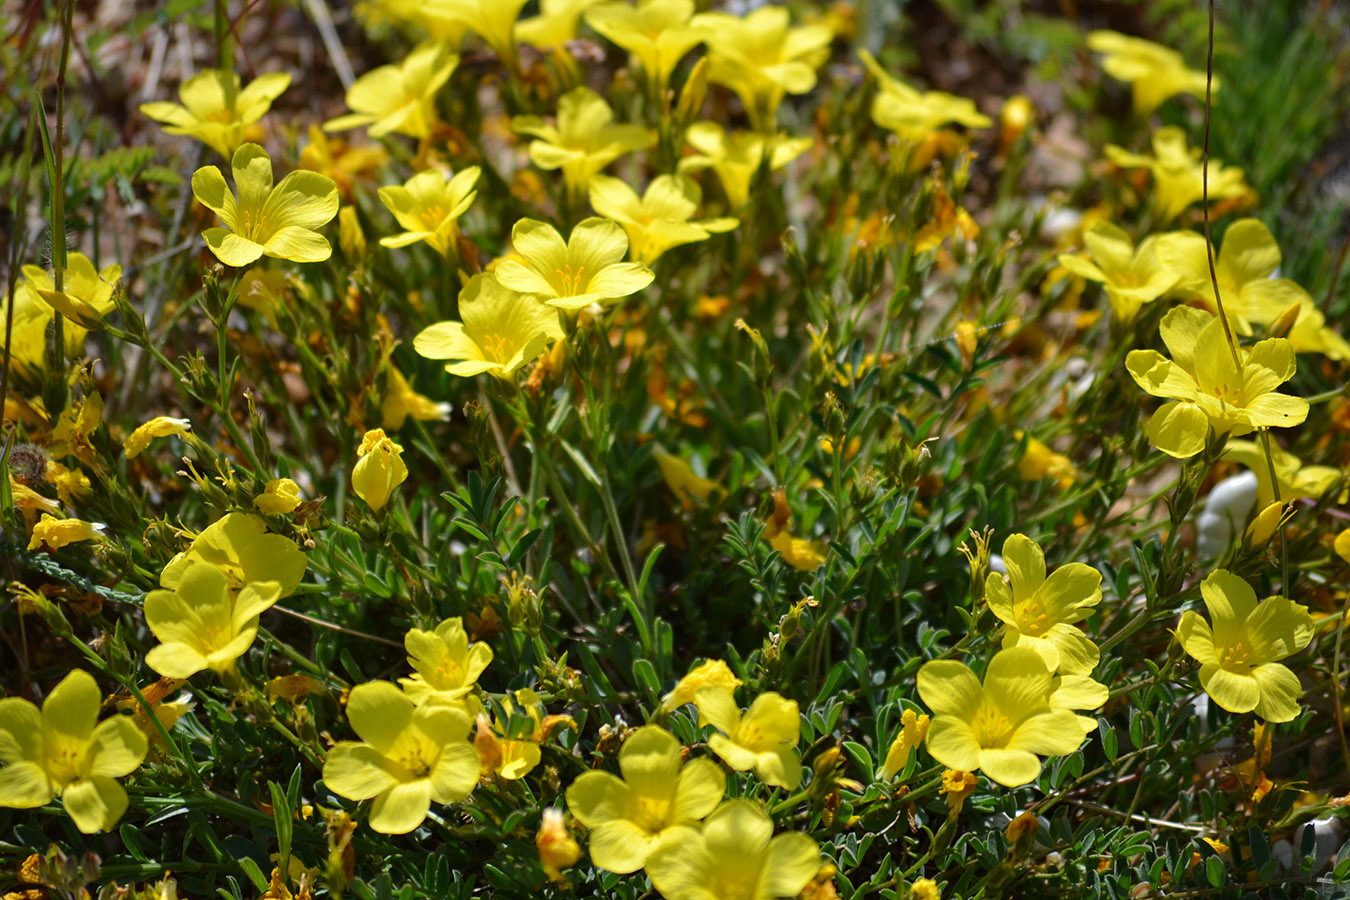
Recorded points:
(1204,197)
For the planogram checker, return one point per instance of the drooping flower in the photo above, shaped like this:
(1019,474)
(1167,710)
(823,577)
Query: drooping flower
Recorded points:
(680,478)
(379,469)
(1154,71)
(515,754)
(557,848)
(158,427)
(1243,268)
(399,99)
(1040,612)
(764,738)
(56,533)
(914,115)
(585,139)
(280,497)
(555,25)
(913,729)
(278,221)
(1001,726)
(1131,277)
(202,623)
(735,856)
(1039,461)
(445,664)
(713,673)
(408,757)
(1207,389)
(429,205)
(501,330)
(63,751)
(800,553)
(658,220)
(492,20)
(238,544)
(628,816)
(1239,648)
(1296,480)
(1177,172)
(761,58)
(657,32)
(737,156)
(344,163)
(216,110)
(401,401)
(86,292)
(571,275)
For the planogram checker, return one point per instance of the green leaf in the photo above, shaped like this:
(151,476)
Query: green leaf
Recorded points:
(283,816)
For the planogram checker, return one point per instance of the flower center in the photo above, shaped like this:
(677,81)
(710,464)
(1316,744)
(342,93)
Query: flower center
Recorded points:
(253,225)
(449,671)
(992,727)
(1032,619)
(66,763)
(433,215)
(650,813)
(494,347)
(572,283)
(1236,656)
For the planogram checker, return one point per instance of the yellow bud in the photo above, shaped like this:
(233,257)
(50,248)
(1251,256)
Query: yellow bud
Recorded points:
(379,470)
(1017,115)
(557,849)
(281,495)
(966,340)
(351,238)
(924,889)
(1264,525)
(1284,321)
(694,93)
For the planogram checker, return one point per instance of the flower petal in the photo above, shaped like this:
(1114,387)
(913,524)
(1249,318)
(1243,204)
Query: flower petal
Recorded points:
(210,189)
(700,787)
(951,742)
(94,804)
(456,772)
(949,688)
(1234,692)
(650,761)
(1280,692)
(118,747)
(1179,429)
(231,249)
(380,713)
(303,198)
(1010,768)
(598,797)
(24,785)
(790,862)
(401,808)
(298,245)
(356,771)
(618,845)
(72,706)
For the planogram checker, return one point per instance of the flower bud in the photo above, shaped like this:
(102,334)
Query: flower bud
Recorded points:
(379,470)
(1016,116)
(351,238)
(1263,526)
(557,849)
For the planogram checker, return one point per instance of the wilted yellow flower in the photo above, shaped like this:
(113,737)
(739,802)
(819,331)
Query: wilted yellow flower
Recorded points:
(585,139)
(264,291)
(801,554)
(913,729)
(587,268)
(514,755)
(215,109)
(957,785)
(56,533)
(713,673)
(445,664)
(913,114)
(764,738)
(399,99)
(63,750)
(379,469)
(1177,175)
(72,485)
(340,161)
(557,848)
(1263,526)
(680,478)
(278,221)
(401,401)
(760,58)
(281,496)
(628,816)
(657,32)
(1154,71)
(85,298)
(203,624)
(924,889)
(238,544)
(736,157)
(159,426)
(409,757)
(658,220)
(429,205)
(1131,277)
(501,330)
(1039,461)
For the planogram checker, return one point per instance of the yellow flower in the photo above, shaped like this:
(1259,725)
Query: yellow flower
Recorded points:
(516,754)
(999,726)
(1207,390)
(1263,525)
(72,485)
(738,156)
(264,291)
(760,58)
(281,496)
(429,205)
(408,757)
(501,331)
(401,401)
(1296,480)
(445,664)
(203,624)
(216,110)
(680,478)
(1177,172)
(1039,461)
(628,816)
(924,889)
(277,221)
(1154,71)
(801,554)
(735,856)
(660,218)
(913,115)
(238,544)
(764,739)
(159,426)
(1243,267)
(957,785)
(1341,545)
(492,20)
(1132,277)
(555,25)
(585,139)
(86,297)
(56,533)
(63,750)
(379,470)
(572,275)
(913,729)
(557,848)
(1238,653)
(399,99)
(713,673)
(339,160)
(657,32)
(1040,612)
